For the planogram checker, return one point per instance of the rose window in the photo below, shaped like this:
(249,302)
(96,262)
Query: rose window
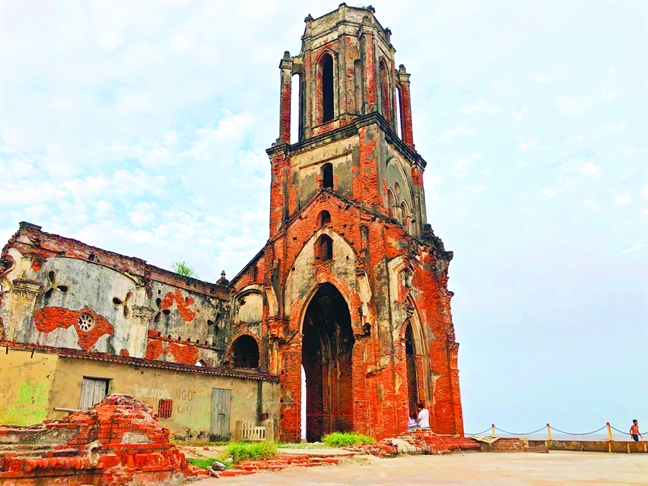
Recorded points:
(85,322)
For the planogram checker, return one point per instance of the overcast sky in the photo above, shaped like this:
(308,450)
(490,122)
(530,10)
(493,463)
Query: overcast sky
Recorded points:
(141,128)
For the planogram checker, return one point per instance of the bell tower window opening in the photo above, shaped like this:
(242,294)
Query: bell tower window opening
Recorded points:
(296,121)
(384,91)
(324,218)
(327,175)
(324,248)
(326,66)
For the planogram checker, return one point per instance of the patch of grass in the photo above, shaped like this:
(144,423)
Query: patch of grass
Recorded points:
(345,439)
(203,463)
(251,451)
(303,445)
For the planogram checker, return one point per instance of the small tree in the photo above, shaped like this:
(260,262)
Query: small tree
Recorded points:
(183,268)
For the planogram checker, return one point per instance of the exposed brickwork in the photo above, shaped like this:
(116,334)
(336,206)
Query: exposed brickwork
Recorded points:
(117,442)
(49,318)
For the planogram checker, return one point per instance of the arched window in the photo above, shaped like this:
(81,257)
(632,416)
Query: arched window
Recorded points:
(324,248)
(326,66)
(245,352)
(405,214)
(327,175)
(384,90)
(391,202)
(324,218)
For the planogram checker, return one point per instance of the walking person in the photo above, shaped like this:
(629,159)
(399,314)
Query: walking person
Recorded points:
(634,431)
(423,417)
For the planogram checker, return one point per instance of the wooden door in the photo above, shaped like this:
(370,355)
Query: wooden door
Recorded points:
(220,414)
(93,391)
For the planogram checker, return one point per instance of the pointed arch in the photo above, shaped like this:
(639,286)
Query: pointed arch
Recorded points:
(385,90)
(326,87)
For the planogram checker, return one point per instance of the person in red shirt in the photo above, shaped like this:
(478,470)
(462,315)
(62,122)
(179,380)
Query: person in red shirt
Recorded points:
(634,431)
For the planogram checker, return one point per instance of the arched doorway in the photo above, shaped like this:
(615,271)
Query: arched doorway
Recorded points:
(245,352)
(327,347)
(412,381)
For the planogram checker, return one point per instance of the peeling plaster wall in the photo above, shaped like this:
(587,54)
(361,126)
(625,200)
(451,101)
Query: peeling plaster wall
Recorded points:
(25,387)
(41,382)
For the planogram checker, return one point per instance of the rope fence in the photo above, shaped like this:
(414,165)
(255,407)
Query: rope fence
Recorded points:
(549,429)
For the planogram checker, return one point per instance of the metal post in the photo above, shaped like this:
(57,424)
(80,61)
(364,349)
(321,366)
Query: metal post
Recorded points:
(493,430)
(549,432)
(609,429)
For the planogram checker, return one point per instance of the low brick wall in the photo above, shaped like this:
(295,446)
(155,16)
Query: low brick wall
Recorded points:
(117,442)
(593,445)
(418,442)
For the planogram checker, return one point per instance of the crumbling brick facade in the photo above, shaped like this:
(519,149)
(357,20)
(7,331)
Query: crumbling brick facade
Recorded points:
(117,442)
(351,287)
(355,281)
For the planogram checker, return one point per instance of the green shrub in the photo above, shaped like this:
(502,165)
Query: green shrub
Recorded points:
(340,439)
(251,451)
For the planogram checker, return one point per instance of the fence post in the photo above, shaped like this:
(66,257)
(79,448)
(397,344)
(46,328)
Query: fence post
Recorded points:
(549,432)
(493,430)
(609,429)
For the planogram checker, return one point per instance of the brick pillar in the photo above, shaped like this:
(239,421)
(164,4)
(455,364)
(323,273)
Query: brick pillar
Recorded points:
(453,351)
(290,382)
(278,175)
(405,107)
(286,66)
(369,66)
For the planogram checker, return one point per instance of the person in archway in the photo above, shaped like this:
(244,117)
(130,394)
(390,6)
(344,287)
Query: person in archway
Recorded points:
(634,431)
(423,417)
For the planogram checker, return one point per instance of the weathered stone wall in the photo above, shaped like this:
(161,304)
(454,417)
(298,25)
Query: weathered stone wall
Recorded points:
(33,384)
(62,293)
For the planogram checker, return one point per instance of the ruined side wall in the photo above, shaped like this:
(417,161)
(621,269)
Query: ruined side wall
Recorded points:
(56,381)
(59,292)
(25,386)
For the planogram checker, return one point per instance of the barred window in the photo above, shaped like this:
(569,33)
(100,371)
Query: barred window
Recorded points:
(165,408)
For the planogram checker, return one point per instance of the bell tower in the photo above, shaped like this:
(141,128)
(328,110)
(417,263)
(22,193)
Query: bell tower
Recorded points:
(355,123)
(357,324)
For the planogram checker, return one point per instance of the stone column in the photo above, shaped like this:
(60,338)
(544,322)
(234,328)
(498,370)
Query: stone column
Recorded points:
(138,337)
(286,66)
(405,107)
(18,325)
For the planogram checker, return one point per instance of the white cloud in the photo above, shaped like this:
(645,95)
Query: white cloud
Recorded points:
(517,115)
(587,168)
(482,106)
(549,77)
(622,199)
(575,138)
(572,105)
(644,192)
(590,204)
(454,132)
(635,247)
(610,95)
(627,151)
(526,145)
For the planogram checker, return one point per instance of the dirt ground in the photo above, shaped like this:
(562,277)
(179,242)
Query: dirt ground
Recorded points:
(555,468)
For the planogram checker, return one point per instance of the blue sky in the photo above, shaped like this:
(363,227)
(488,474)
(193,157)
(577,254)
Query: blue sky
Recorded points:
(141,127)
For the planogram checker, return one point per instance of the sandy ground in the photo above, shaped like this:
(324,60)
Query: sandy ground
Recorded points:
(555,468)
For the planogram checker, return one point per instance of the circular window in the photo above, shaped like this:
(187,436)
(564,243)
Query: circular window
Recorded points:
(85,322)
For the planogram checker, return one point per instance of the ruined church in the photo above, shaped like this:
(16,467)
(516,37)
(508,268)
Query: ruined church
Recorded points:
(343,317)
